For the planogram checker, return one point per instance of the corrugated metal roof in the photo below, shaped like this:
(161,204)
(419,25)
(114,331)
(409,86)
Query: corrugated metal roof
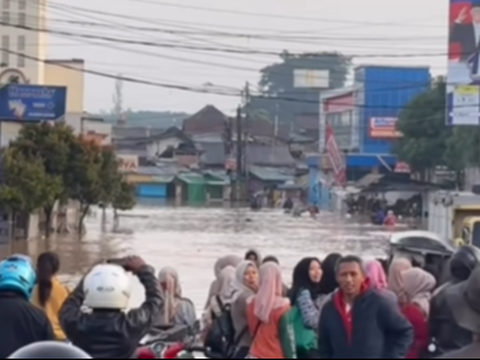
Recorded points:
(219,174)
(271,174)
(165,179)
(192,179)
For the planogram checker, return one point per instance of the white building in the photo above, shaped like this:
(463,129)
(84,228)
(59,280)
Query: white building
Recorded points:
(17,13)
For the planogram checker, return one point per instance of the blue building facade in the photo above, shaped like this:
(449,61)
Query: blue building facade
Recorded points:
(363,119)
(384,93)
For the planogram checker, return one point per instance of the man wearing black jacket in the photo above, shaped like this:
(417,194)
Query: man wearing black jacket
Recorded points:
(360,323)
(108,331)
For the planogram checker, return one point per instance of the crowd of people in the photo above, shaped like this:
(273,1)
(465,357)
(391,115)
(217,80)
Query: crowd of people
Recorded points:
(338,307)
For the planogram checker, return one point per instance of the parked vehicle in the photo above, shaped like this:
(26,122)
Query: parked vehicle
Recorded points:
(424,249)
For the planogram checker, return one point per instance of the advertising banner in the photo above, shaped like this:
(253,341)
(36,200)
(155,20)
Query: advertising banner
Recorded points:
(32,102)
(463,71)
(384,128)
(127,163)
(336,158)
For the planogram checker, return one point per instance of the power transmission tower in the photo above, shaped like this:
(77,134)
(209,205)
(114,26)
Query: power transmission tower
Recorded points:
(117,99)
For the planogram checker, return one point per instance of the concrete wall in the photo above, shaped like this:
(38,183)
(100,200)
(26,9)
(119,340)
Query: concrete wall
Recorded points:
(68,73)
(8,132)
(33,14)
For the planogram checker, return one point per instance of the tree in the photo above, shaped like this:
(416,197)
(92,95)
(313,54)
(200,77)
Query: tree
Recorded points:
(26,186)
(109,176)
(124,199)
(84,181)
(277,80)
(51,144)
(422,123)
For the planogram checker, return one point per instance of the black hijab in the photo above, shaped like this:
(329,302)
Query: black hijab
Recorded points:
(301,279)
(329,284)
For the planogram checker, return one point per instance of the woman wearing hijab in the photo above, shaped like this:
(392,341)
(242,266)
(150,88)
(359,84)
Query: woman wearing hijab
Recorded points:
(415,306)
(268,318)
(254,255)
(176,309)
(246,285)
(378,280)
(329,284)
(220,264)
(395,277)
(220,299)
(303,296)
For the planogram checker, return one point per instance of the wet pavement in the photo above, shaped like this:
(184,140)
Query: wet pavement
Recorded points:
(191,239)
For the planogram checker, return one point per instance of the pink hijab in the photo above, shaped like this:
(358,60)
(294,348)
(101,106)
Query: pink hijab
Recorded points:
(418,285)
(269,296)
(376,274)
(395,276)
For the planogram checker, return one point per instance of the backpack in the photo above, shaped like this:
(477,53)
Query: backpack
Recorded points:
(220,338)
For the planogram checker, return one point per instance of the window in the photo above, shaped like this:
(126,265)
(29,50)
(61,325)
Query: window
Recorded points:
(21,43)
(6,17)
(6,4)
(22,4)
(20,61)
(476,234)
(6,46)
(22,19)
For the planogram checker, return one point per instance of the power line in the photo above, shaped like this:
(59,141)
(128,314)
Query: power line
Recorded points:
(267,37)
(209,48)
(237,93)
(409,86)
(264,15)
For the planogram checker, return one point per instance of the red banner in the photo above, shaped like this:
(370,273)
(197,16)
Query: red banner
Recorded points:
(336,158)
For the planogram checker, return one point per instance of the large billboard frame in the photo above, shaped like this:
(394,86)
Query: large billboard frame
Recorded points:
(463,70)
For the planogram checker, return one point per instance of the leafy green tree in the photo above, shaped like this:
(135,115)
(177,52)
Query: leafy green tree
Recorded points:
(277,80)
(422,123)
(124,199)
(83,176)
(26,186)
(51,144)
(109,175)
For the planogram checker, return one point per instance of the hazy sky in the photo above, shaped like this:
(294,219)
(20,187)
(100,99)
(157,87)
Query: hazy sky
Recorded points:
(406,29)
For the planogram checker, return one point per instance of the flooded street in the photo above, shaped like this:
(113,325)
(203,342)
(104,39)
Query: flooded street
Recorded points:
(191,239)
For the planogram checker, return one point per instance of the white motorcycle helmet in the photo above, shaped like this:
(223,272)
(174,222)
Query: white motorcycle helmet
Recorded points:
(107,286)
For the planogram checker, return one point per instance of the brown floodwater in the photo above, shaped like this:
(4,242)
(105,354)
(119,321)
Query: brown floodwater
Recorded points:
(191,239)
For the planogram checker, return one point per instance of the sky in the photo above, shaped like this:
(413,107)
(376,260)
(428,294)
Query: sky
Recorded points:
(406,32)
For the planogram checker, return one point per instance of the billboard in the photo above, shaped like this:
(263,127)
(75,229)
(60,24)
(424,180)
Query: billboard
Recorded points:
(463,71)
(32,102)
(127,163)
(311,79)
(384,128)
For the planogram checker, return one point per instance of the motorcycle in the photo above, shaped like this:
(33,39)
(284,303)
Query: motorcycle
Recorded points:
(169,343)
